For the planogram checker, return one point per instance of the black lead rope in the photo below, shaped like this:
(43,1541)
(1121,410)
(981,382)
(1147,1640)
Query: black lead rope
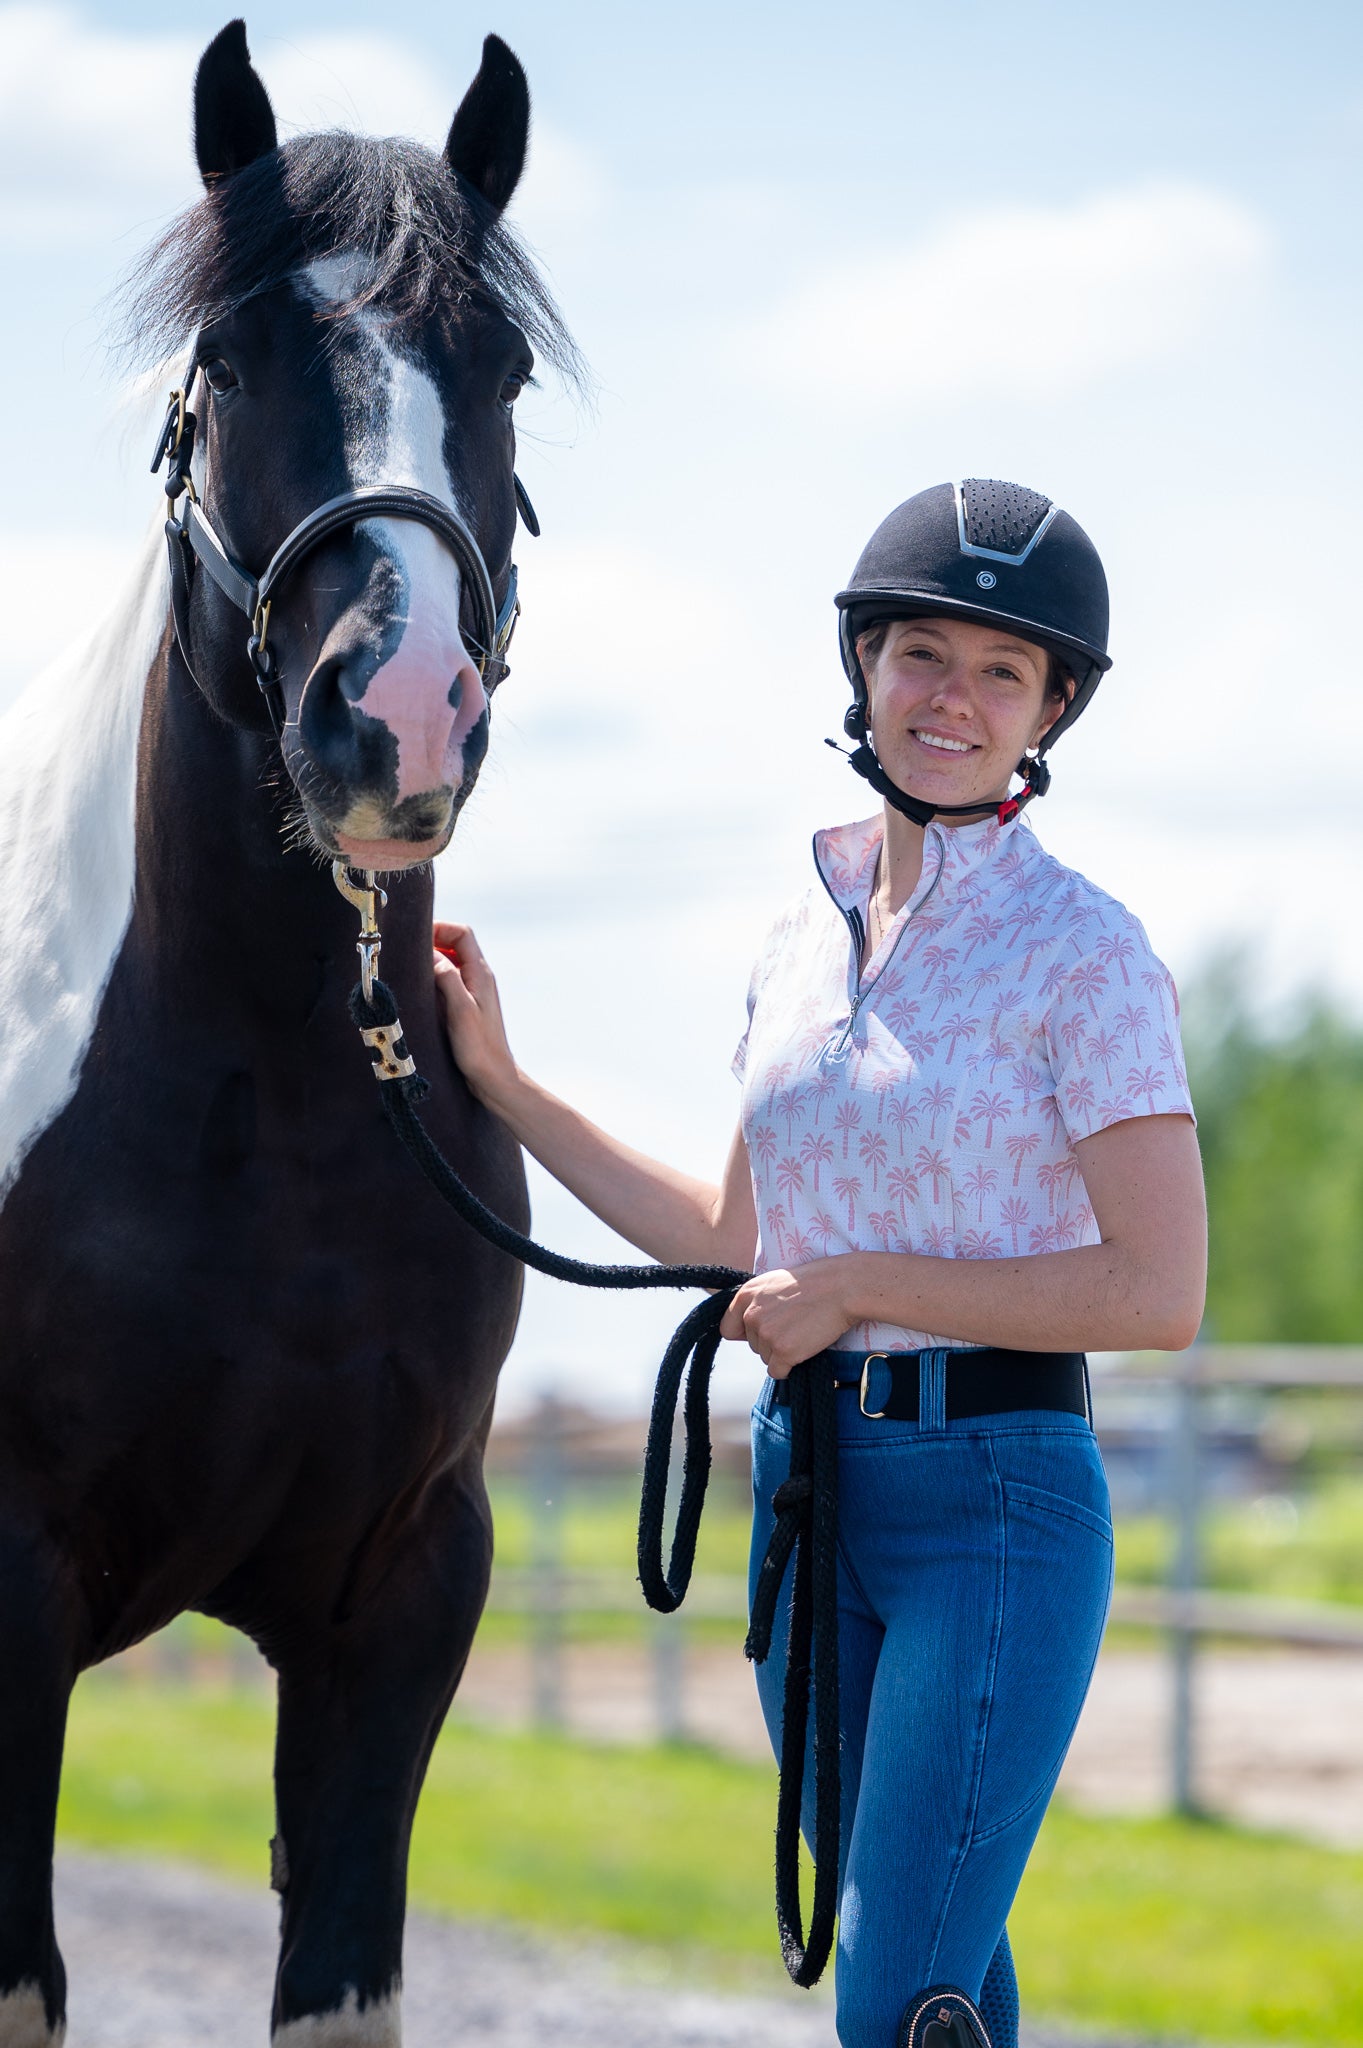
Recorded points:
(806,1504)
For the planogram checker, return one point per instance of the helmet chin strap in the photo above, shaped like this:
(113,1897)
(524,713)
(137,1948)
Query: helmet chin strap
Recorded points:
(1035,773)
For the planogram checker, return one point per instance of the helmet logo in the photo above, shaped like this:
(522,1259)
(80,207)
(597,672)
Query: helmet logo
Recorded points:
(986,579)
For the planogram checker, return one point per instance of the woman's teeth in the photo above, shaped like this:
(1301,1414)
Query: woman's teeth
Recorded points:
(931,739)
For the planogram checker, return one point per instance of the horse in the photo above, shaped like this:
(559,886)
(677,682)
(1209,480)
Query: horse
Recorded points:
(250,1359)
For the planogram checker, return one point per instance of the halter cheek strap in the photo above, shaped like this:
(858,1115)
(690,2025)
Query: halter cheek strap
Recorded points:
(192,539)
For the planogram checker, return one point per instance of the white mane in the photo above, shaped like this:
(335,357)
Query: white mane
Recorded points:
(68,789)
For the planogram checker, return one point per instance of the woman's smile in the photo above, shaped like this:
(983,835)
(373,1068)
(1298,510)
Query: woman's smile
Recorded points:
(940,742)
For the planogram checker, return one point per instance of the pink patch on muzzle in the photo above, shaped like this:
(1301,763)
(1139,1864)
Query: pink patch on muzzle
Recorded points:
(411,693)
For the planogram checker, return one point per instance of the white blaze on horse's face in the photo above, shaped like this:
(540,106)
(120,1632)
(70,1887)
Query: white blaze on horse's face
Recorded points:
(427,691)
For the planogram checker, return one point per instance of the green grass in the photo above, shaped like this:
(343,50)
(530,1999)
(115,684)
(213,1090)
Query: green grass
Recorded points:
(1307,1550)
(1159,1927)
(1311,1549)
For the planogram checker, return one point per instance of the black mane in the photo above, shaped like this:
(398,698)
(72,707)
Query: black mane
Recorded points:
(425,236)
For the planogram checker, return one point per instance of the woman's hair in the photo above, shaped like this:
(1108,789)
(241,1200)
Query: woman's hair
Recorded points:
(1059,679)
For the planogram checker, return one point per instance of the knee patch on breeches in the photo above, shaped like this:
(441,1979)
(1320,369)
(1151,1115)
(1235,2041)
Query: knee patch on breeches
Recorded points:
(942,2018)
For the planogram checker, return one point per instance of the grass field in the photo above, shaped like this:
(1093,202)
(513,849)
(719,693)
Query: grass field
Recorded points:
(1161,1928)
(1312,1550)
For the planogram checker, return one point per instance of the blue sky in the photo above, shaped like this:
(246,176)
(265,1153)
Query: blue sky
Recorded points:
(818,258)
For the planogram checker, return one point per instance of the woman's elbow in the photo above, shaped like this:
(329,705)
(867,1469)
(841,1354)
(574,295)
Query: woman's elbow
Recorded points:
(1172,1316)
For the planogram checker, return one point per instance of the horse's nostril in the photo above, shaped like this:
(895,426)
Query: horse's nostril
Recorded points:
(340,738)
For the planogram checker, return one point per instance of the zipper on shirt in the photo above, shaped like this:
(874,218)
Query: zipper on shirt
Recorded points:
(853,920)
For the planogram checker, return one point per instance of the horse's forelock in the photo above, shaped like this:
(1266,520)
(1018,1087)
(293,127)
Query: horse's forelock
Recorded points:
(423,239)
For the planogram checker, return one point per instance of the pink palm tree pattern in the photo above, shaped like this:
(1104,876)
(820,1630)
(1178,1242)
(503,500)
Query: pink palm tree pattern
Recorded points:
(846,1119)
(1020,1011)
(903,1118)
(1118,946)
(847,1186)
(934,1100)
(980,1181)
(822,1226)
(1015,1215)
(989,1107)
(1105,1047)
(883,1224)
(874,1153)
(1020,1145)
(1134,1020)
(816,1150)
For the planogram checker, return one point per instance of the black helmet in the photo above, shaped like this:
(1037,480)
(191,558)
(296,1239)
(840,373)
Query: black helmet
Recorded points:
(996,553)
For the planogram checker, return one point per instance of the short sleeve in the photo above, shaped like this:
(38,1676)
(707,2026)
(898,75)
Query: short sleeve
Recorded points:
(762,967)
(1114,1038)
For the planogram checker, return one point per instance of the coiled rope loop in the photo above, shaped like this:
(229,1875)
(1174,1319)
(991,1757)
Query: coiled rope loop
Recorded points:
(806,1504)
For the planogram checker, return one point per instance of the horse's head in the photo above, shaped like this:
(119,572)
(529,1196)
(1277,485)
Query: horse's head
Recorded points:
(361,318)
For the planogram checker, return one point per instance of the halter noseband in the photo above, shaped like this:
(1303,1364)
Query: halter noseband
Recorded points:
(191,538)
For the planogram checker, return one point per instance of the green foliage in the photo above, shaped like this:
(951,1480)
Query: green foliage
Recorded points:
(1280,1117)
(1164,1928)
(1310,1549)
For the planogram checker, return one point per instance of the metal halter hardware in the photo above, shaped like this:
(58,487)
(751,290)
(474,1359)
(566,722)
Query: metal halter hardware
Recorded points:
(191,537)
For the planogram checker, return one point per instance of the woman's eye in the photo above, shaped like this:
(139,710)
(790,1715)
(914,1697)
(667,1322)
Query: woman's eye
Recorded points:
(218,375)
(513,387)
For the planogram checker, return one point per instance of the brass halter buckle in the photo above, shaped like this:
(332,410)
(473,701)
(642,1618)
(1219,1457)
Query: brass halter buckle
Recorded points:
(367,898)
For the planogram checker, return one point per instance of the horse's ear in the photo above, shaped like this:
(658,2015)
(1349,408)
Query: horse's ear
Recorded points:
(233,118)
(488,135)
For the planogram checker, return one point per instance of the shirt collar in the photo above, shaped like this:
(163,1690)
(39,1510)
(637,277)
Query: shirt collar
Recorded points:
(953,856)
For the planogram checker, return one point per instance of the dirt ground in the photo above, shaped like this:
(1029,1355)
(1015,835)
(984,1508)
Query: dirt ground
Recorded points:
(1278,1735)
(158,1957)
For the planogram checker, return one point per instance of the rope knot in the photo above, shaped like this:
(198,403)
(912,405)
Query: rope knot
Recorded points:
(795,1492)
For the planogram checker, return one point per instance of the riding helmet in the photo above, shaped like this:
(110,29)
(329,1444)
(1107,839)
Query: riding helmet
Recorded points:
(993,552)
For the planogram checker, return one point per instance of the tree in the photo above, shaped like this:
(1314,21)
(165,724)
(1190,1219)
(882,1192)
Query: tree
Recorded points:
(1280,1120)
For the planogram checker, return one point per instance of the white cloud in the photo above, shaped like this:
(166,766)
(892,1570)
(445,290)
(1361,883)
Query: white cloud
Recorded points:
(1014,302)
(93,120)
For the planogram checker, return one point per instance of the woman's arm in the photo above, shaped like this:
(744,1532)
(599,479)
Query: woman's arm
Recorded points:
(1142,1288)
(668,1215)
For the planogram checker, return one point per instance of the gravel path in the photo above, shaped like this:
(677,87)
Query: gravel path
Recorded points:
(159,1957)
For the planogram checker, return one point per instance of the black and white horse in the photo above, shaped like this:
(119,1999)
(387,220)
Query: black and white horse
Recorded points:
(249,1359)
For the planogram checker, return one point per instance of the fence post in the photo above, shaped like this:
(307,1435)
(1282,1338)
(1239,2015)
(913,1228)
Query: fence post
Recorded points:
(669,1675)
(547,1477)
(1183,1581)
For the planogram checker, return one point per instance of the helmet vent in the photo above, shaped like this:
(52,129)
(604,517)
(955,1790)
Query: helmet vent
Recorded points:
(999,519)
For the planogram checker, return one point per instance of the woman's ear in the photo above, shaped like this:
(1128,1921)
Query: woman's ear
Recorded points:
(1053,709)
(233,119)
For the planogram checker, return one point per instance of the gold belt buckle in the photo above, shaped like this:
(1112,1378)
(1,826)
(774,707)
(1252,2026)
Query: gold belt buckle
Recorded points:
(871,1414)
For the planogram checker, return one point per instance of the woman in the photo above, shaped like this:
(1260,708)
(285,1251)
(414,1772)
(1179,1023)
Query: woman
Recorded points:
(966,1156)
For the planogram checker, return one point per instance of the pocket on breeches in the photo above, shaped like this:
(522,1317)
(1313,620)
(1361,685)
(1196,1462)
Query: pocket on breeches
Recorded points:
(1055,1589)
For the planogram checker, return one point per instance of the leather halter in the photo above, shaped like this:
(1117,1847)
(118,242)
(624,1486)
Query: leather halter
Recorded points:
(191,538)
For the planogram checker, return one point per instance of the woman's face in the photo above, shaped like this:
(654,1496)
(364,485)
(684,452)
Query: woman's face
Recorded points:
(954,706)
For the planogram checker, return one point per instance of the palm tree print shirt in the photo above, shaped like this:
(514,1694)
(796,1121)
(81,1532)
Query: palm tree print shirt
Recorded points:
(932,1104)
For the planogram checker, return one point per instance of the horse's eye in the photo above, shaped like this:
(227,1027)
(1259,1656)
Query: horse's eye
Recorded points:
(218,375)
(513,387)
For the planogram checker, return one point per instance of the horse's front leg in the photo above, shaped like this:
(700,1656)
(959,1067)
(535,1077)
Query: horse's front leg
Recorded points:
(360,1706)
(37,1669)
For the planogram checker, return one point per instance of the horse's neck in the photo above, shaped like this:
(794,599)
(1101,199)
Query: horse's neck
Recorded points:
(68,781)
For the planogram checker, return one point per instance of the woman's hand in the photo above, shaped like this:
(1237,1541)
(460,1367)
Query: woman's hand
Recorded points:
(467,994)
(789,1315)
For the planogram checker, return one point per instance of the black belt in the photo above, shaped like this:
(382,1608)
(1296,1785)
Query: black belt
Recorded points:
(984,1382)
